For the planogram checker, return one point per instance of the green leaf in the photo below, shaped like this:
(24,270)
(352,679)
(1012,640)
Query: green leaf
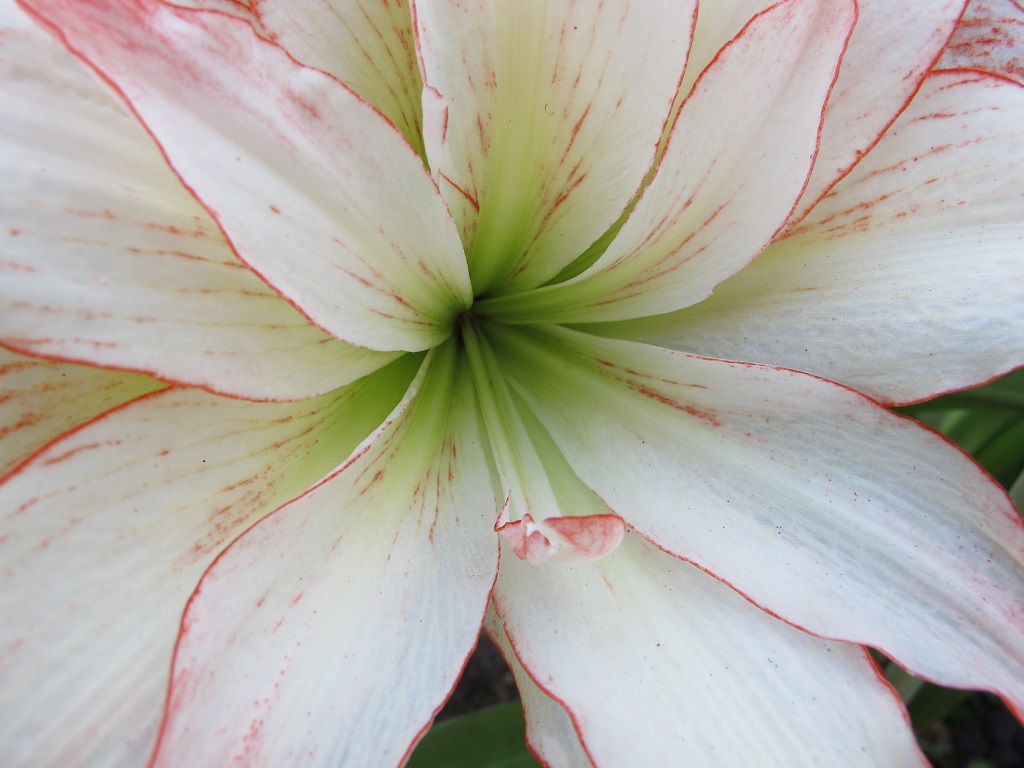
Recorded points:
(1006,393)
(490,738)
(933,703)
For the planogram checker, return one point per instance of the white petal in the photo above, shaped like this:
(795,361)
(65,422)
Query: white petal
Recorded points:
(367,44)
(694,668)
(314,188)
(107,532)
(990,37)
(717,24)
(335,628)
(550,734)
(108,259)
(737,161)
(892,49)
(554,113)
(812,500)
(906,280)
(41,399)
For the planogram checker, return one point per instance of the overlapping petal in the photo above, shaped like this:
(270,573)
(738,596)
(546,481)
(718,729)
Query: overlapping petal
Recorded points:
(331,632)
(314,188)
(106,533)
(367,44)
(336,604)
(549,115)
(549,730)
(818,504)
(706,674)
(891,50)
(104,251)
(906,280)
(40,400)
(739,158)
(990,37)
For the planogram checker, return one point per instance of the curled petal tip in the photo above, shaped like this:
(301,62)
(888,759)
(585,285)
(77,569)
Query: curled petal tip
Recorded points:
(581,539)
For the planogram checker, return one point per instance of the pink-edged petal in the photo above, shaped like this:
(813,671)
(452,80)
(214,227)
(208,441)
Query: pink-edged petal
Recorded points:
(107,532)
(242,9)
(544,119)
(717,24)
(905,281)
(990,37)
(814,501)
(705,673)
(737,161)
(549,731)
(367,44)
(42,399)
(108,259)
(314,188)
(892,49)
(331,633)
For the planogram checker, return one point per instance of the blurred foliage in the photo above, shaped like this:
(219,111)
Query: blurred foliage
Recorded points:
(490,738)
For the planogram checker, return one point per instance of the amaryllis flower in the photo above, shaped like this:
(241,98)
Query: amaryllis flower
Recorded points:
(314,310)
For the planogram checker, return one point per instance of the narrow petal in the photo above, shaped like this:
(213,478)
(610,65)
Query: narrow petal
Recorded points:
(40,400)
(892,49)
(717,24)
(906,280)
(367,44)
(336,627)
(314,188)
(550,734)
(109,260)
(738,159)
(107,532)
(990,37)
(554,112)
(706,674)
(815,502)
